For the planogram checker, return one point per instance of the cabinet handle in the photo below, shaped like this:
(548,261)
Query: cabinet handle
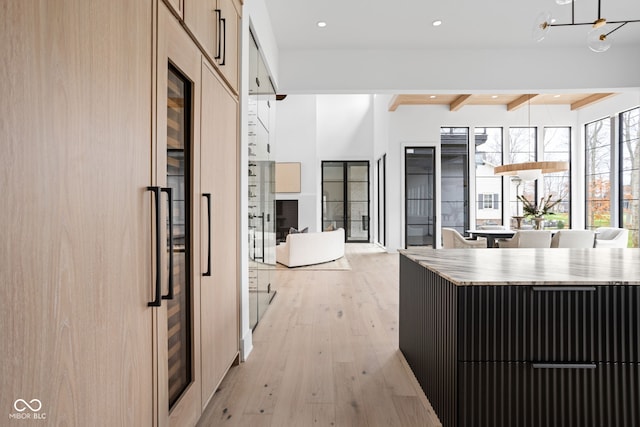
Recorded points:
(564,288)
(564,366)
(224,45)
(168,190)
(219,16)
(156,302)
(208,272)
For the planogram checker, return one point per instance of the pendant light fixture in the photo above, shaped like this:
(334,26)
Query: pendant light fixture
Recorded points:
(598,37)
(530,171)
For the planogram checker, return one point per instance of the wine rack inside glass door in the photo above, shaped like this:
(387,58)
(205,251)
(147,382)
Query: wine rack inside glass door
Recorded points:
(178,232)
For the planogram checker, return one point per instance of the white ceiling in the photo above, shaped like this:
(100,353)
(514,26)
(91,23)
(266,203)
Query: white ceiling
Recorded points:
(375,46)
(378,24)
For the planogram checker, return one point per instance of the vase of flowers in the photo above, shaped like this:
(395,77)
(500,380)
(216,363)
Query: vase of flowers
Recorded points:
(537,212)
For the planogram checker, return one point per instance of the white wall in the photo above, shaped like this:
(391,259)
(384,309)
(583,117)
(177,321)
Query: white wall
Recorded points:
(313,128)
(296,130)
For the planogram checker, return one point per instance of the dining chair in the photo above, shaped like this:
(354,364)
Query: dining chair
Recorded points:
(612,237)
(573,239)
(451,239)
(527,239)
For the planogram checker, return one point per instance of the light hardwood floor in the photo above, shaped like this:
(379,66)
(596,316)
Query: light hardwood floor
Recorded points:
(326,354)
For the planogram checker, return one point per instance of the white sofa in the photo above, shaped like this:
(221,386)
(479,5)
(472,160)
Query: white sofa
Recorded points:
(311,248)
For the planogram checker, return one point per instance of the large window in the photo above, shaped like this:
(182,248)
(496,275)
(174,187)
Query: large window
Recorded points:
(488,186)
(557,147)
(522,148)
(630,173)
(598,173)
(454,167)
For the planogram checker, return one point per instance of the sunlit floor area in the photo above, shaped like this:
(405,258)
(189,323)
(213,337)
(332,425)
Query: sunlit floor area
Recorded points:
(326,354)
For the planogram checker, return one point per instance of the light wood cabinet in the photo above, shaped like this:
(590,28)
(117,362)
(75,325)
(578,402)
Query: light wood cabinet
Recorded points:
(219,293)
(177,166)
(212,208)
(87,125)
(75,253)
(216,26)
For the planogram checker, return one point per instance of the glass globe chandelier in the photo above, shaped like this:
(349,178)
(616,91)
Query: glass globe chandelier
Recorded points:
(598,37)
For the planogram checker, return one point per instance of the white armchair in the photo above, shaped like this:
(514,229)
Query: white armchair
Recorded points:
(527,239)
(451,239)
(573,239)
(611,237)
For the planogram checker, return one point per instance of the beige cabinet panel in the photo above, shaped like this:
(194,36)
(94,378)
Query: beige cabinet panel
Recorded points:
(219,174)
(214,175)
(201,17)
(75,256)
(177,6)
(228,61)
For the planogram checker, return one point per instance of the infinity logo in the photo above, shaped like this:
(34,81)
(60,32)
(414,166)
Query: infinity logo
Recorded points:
(37,405)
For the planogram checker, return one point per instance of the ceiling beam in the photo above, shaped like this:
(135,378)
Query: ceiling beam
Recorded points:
(514,105)
(459,102)
(410,99)
(591,99)
(394,103)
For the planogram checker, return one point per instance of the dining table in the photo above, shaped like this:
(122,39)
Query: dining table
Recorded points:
(492,235)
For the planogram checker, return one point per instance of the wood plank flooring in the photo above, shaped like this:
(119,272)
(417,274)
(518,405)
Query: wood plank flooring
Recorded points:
(326,354)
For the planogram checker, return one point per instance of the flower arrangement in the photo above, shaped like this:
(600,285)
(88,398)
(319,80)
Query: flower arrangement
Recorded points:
(543,208)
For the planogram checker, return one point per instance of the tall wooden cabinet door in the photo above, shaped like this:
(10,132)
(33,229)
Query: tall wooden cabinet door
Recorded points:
(176,170)
(75,246)
(219,168)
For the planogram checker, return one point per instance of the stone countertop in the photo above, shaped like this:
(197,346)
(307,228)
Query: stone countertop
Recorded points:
(532,267)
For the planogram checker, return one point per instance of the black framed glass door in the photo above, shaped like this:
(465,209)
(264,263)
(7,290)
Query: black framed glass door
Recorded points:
(345,198)
(419,194)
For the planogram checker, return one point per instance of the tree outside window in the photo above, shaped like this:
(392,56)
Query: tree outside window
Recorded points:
(557,147)
(630,173)
(598,173)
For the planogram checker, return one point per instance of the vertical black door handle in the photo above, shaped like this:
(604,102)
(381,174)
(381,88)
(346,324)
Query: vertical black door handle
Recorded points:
(219,17)
(156,302)
(263,258)
(224,45)
(208,196)
(169,294)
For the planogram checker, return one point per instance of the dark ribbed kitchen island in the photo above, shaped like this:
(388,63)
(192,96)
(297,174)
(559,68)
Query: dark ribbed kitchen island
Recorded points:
(524,337)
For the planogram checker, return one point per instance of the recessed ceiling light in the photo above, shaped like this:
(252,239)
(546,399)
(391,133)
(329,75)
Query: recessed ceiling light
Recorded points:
(321,24)
(494,96)
(556,96)
(432,97)
(436,23)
